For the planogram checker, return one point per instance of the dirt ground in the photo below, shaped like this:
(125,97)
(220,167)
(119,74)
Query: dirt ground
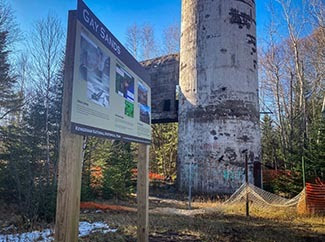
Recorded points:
(208,224)
(209,220)
(171,220)
(212,227)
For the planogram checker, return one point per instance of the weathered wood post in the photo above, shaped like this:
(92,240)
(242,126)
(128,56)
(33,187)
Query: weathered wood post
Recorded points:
(70,156)
(143,193)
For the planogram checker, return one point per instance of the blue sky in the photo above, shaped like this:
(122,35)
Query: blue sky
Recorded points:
(117,15)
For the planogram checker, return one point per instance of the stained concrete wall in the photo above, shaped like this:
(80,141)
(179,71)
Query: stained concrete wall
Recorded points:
(164,75)
(218,110)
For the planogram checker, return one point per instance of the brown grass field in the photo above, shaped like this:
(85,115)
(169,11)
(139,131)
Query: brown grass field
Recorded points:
(209,220)
(170,220)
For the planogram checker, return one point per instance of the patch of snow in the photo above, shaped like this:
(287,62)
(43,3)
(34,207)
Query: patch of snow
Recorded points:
(46,235)
(30,236)
(86,228)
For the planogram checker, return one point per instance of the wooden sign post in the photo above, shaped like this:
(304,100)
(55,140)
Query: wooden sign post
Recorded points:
(70,156)
(143,193)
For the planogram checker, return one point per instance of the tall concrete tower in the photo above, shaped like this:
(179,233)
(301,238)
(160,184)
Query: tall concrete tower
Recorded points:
(218,105)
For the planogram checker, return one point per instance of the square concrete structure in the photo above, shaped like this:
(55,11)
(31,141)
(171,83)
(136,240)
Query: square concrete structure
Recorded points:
(164,76)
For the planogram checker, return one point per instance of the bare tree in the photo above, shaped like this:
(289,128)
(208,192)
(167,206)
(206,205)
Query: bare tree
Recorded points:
(296,25)
(141,42)
(8,23)
(22,72)
(295,29)
(274,81)
(317,11)
(171,39)
(133,40)
(46,49)
(148,43)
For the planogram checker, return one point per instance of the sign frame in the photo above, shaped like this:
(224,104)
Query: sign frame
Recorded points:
(81,123)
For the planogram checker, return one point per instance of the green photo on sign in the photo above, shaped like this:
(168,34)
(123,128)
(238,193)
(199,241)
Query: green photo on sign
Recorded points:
(129,109)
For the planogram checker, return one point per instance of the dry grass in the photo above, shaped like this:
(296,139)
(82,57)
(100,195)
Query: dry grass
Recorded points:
(211,221)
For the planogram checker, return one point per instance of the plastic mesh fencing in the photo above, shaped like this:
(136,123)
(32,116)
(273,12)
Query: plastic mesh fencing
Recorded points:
(263,199)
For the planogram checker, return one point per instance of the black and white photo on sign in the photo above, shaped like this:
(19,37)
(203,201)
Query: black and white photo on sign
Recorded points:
(95,70)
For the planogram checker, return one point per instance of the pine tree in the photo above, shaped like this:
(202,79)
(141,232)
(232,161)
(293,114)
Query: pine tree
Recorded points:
(164,150)
(23,174)
(268,143)
(9,98)
(96,153)
(117,175)
(315,152)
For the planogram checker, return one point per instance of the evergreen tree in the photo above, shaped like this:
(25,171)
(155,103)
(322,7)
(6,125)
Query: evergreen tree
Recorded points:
(315,152)
(117,174)
(107,169)
(269,144)
(10,100)
(96,153)
(164,150)
(25,179)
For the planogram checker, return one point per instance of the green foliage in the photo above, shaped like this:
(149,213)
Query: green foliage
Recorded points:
(164,149)
(269,143)
(287,185)
(288,158)
(107,169)
(10,100)
(24,177)
(96,153)
(117,173)
(315,152)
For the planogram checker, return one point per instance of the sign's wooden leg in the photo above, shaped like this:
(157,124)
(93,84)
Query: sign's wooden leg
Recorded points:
(143,193)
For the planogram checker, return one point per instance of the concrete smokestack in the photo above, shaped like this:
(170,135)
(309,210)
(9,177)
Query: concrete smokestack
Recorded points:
(218,106)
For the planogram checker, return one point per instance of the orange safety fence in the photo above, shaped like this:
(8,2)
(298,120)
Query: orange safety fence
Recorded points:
(105,207)
(152,176)
(315,198)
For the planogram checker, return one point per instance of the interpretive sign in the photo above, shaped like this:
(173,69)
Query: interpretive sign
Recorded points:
(111,96)
(106,93)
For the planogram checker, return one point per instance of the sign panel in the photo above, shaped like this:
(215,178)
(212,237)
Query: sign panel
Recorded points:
(111,95)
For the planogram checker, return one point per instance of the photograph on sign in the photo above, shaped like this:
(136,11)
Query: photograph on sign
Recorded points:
(142,94)
(95,70)
(145,113)
(124,83)
(129,108)
(111,96)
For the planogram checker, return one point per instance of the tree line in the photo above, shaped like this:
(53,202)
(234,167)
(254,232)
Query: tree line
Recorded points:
(292,90)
